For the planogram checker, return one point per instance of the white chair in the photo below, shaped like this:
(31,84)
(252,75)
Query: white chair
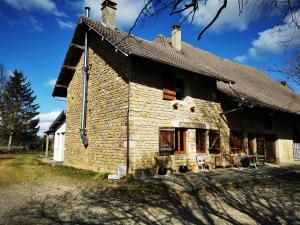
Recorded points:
(202,162)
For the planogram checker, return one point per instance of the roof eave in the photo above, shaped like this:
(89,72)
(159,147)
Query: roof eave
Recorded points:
(193,71)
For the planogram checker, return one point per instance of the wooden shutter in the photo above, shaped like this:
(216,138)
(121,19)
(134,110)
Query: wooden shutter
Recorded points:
(236,142)
(214,142)
(169,87)
(166,139)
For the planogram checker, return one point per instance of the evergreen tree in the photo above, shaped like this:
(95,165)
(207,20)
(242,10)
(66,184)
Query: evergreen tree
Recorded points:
(18,111)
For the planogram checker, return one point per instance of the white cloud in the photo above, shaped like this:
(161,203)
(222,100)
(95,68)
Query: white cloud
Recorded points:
(51,82)
(275,40)
(33,5)
(127,10)
(46,119)
(65,25)
(26,20)
(240,58)
(229,18)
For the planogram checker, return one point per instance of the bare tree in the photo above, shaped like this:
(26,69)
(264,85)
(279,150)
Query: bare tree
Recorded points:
(291,71)
(187,10)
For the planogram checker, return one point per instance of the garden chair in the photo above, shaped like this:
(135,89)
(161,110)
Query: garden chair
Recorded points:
(202,161)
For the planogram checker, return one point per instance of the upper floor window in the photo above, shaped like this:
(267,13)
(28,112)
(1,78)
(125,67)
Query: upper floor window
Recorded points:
(180,89)
(173,88)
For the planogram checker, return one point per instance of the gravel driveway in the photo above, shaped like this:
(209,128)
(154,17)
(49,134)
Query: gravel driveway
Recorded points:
(50,199)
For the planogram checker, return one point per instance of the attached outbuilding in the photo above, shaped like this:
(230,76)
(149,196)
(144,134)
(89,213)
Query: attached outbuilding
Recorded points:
(58,129)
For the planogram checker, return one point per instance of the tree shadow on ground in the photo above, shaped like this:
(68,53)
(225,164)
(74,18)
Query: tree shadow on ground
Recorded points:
(272,201)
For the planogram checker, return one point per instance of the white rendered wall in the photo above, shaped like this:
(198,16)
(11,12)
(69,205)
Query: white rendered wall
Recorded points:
(59,144)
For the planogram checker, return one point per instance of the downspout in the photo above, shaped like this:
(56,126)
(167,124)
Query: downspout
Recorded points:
(128,114)
(84,84)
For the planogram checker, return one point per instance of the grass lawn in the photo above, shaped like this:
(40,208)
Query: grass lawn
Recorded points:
(17,168)
(31,193)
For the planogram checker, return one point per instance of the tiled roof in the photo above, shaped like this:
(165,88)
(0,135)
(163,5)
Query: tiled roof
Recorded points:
(253,85)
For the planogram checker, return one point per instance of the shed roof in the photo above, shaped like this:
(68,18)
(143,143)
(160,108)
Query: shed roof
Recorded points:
(60,119)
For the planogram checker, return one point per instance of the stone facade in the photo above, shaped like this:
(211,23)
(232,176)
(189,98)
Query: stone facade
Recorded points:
(107,108)
(149,112)
(106,111)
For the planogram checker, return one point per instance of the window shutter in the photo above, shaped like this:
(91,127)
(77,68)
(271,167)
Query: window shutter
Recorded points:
(214,142)
(166,139)
(169,87)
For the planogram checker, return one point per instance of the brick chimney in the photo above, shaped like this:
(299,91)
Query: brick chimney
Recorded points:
(176,37)
(109,9)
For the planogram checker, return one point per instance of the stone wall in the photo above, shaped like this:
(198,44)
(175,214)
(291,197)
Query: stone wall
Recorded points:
(252,121)
(149,112)
(106,111)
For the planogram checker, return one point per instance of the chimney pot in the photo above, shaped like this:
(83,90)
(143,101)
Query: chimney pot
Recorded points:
(109,9)
(87,11)
(176,37)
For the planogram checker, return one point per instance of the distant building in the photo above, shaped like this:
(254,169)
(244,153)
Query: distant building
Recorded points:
(58,129)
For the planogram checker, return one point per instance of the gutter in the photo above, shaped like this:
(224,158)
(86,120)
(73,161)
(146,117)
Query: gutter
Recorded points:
(83,135)
(128,117)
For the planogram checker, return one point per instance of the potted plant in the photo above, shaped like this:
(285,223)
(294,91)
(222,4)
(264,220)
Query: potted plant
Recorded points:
(162,163)
(184,168)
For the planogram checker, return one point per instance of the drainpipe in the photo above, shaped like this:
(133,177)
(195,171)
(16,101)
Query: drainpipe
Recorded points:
(84,84)
(128,114)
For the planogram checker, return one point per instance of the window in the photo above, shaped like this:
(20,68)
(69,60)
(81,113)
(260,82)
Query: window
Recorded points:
(214,142)
(169,87)
(201,140)
(173,88)
(180,140)
(179,89)
(236,142)
(166,141)
(172,140)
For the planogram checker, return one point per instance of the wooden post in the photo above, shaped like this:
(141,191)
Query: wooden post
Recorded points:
(9,140)
(47,146)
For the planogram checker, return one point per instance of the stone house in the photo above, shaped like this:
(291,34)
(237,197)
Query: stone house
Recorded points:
(129,100)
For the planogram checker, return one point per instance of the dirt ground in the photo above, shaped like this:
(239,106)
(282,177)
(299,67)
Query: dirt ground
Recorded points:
(31,193)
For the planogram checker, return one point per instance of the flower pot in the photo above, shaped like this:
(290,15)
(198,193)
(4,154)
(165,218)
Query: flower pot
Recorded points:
(245,161)
(183,169)
(162,171)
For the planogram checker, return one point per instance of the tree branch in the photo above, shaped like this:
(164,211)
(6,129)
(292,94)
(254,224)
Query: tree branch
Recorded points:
(214,19)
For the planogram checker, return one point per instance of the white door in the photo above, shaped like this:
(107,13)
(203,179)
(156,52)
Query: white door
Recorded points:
(62,146)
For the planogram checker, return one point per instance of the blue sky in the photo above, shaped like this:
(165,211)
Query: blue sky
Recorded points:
(35,35)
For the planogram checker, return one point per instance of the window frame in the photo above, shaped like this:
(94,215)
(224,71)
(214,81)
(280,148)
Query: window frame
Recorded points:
(212,150)
(170,87)
(178,140)
(199,150)
(166,151)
